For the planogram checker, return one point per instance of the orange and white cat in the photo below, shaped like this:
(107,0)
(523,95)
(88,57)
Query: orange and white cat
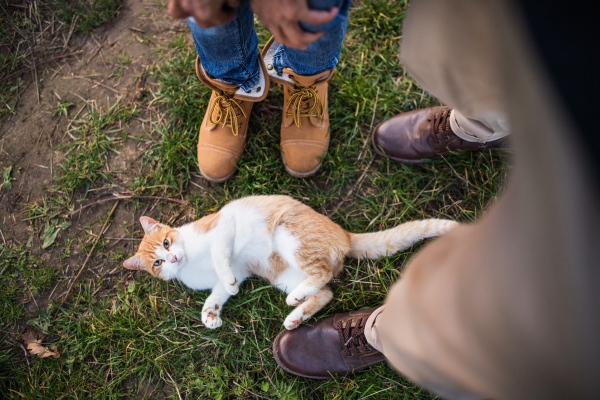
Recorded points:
(275,237)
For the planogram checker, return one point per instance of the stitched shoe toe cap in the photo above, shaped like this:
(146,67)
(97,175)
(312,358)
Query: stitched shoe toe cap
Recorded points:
(216,163)
(302,156)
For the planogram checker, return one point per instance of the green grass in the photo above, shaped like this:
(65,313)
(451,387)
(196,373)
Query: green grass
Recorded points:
(86,14)
(94,137)
(144,337)
(20,274)
(25,34)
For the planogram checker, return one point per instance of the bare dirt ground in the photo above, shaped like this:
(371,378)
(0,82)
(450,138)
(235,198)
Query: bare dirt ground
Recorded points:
(94,75)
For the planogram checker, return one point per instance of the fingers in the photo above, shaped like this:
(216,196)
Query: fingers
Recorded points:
(211,14)
(315,17)
(176,11)
(206,13)
(295,37)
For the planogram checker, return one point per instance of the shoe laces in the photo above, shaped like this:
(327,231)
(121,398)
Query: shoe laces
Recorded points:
(440,125)
(303,102)
(353,337)
(226,107)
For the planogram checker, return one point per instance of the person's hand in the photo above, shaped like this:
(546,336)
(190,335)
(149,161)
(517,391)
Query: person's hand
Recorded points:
(207,13)
(282,17)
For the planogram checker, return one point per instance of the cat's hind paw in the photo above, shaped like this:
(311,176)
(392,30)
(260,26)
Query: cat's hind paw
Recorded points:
(232,288)
(211,320)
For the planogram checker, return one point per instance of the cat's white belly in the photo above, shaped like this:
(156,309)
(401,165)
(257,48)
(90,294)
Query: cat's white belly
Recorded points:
(198,278)
(289,279)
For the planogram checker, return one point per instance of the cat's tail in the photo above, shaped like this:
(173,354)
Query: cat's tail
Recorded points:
(388,242)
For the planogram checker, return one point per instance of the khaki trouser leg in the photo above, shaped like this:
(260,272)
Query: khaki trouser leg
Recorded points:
(508,307)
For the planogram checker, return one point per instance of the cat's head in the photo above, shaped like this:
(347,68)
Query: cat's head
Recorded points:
(161,253)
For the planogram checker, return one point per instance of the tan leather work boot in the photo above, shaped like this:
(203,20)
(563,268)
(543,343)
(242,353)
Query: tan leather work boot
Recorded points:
(305,122)
(224,128)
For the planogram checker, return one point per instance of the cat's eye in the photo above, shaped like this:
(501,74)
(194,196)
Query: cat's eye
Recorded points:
(166,244)
(158,262)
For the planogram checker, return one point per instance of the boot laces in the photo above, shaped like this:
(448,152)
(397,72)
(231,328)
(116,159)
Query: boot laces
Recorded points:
(227,114)
(440,125)
(353,338)
(302,103)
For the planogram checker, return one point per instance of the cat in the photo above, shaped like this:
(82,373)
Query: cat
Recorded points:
(277,238)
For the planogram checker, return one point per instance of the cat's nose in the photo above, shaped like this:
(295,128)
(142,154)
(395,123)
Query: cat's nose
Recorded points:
(171,258)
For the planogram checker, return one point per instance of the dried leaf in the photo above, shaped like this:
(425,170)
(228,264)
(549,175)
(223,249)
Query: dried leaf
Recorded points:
(37,349)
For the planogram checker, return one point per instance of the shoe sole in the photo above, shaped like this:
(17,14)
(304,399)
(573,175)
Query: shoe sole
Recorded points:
(276,355)
(422,160)
(217,180)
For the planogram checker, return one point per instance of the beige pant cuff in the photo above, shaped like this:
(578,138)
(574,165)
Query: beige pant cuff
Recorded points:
(493,128)
(371,332)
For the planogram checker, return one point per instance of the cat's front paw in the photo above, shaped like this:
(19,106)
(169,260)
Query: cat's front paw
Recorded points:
(211,320)
(293,320)
(292,301)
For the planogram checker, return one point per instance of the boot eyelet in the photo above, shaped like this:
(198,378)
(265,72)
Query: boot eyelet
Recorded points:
(279,73)
(248,91)
(258,89)
(270,67)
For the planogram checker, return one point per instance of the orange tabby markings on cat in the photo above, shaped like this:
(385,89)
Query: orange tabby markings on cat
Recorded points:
(275,237)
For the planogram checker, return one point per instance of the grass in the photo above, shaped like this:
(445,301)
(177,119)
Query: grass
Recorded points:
(29,38)
(94,136)
(131,336)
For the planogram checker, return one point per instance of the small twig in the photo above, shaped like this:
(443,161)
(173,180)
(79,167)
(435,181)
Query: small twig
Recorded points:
(4,240)
(73,21)
(36,80)
(129,198)
(40,63)
(174,384)
(92,250)
(31,113)
(94,55)
(26,359)
(94,82)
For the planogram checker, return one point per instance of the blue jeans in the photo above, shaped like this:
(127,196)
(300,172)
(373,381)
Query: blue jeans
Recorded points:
(229,52)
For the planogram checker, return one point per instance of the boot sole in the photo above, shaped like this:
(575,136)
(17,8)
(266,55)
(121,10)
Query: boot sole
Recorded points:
(217,180)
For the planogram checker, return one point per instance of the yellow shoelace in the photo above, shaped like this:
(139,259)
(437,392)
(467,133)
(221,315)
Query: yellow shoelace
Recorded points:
(225,106)
(299,103)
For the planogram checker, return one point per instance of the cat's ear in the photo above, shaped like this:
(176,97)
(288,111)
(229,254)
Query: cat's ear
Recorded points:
(149,224)
(134,263)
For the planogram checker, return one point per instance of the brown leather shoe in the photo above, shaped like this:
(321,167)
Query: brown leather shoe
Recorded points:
(305,122)
(225,125)
(334,346)
(421,135)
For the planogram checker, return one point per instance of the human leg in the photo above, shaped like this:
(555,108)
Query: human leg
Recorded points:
(454,60)
(304,75)
(507,307)
(228,63)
